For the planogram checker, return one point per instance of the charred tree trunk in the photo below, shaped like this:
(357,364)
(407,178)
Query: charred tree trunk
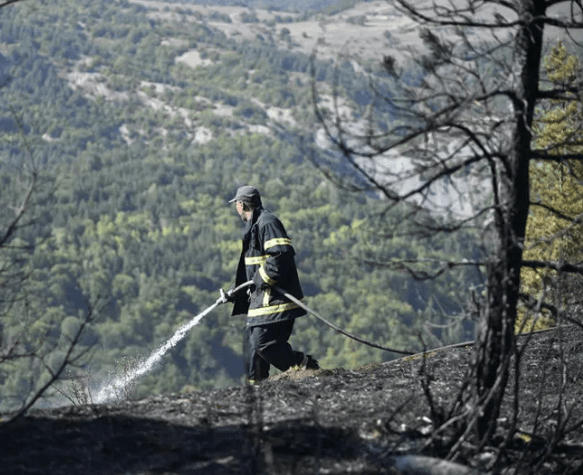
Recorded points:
(495,339)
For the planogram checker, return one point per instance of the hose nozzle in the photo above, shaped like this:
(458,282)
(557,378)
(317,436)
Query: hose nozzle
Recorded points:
(230,295)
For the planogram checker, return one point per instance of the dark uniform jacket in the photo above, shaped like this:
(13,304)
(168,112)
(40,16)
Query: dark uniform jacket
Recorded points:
(267,258)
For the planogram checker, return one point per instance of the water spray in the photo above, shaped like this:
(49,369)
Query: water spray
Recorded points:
(113,390)
(117,387)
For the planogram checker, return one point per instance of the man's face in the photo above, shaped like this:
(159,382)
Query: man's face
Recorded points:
(239,207)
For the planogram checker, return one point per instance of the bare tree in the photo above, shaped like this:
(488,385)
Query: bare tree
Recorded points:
(35,350)
(5,3)
(461,118)
(19,184)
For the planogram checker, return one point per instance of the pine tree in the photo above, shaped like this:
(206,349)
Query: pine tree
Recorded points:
(555,227)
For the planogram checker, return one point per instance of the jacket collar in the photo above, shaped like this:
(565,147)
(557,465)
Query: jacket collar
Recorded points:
(249,225)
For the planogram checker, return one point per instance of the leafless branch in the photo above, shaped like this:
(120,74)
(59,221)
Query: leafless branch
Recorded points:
(5,3)
(72,355)
(556,266)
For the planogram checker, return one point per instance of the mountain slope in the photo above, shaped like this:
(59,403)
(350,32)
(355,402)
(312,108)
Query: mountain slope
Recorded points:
(370,420)
(142,129)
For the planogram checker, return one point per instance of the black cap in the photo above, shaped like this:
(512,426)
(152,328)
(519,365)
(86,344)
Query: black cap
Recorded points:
(247,193)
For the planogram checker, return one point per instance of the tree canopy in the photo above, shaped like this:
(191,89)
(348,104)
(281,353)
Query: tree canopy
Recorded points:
(553,232)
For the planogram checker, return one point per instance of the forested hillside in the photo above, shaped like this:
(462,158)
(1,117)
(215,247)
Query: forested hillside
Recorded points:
(142,126)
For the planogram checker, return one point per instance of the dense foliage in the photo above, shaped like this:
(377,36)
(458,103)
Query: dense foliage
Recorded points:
(554,226)
(139,154)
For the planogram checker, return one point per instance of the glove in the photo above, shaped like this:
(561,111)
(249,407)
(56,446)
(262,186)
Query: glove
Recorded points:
(250,290)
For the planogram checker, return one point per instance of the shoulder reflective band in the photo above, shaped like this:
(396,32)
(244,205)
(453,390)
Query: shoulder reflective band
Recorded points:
(255,261)
(258,312)
(277,242)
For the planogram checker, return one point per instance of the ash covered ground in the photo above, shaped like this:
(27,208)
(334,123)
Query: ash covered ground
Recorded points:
(331,421)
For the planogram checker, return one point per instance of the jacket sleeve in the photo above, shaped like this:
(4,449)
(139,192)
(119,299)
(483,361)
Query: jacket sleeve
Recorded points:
(279,257)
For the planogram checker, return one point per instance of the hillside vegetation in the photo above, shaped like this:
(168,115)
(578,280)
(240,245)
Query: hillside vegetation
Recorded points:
(143,123)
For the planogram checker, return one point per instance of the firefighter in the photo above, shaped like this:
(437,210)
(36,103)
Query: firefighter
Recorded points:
(267,259)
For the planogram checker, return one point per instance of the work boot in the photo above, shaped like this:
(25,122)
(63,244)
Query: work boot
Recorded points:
(309,363)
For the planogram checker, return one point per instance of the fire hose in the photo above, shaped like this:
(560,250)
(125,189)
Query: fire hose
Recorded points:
(334,327)
(224,298)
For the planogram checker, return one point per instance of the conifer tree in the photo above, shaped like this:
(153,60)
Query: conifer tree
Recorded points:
(554,228)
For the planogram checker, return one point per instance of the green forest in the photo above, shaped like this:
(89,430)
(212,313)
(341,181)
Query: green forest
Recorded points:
(136,155)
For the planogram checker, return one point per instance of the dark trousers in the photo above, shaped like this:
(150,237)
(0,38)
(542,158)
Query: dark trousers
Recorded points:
(267,345)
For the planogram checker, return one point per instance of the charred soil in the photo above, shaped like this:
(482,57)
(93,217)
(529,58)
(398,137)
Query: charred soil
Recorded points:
(332,421)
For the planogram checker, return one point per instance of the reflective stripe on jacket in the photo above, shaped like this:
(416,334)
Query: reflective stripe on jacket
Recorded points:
(268,259)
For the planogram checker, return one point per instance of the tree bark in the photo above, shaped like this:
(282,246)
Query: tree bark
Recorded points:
(495,338)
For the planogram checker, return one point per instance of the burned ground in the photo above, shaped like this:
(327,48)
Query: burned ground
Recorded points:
(331,421)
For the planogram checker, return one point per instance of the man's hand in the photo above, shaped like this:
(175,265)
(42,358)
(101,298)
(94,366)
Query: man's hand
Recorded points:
(227,296)
(250,290)
(231,294)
